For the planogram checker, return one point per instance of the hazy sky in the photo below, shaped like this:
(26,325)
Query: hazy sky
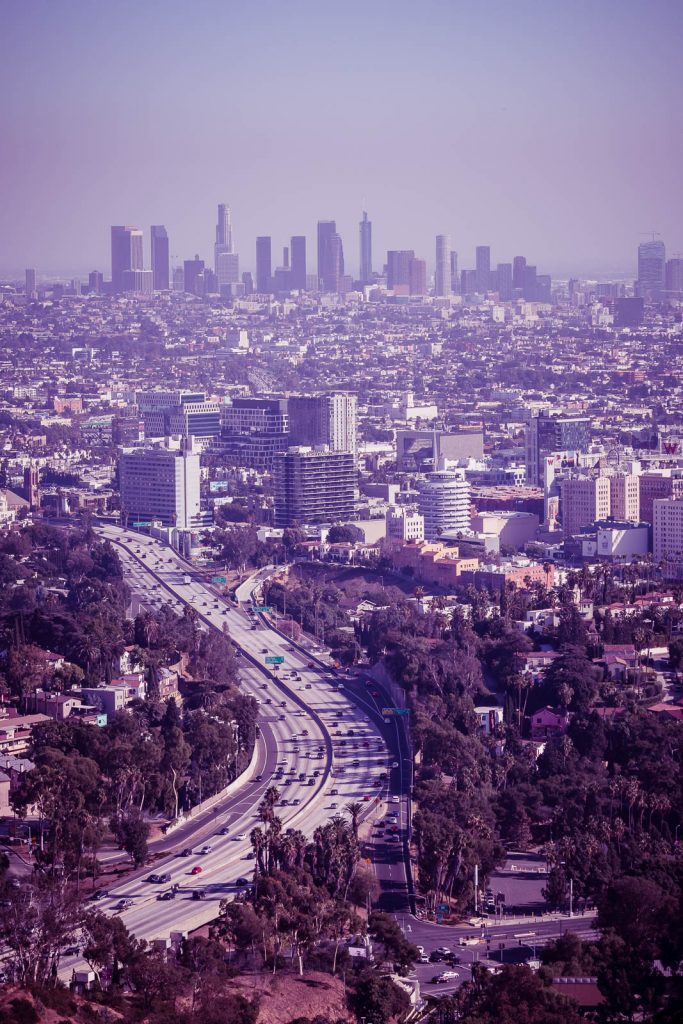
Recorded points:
(549,128)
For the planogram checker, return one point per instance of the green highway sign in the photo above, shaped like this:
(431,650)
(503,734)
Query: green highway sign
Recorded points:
(262,608)
(274,659)
(219,579)
(391,712)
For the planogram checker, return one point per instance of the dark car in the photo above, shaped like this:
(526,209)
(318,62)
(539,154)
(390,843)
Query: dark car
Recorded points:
(168,895)
(198,894)
(241,881)
(187,852)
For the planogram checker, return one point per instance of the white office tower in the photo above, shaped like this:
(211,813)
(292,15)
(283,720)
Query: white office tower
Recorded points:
(161,482)
(667,532)
(442,277)
(444,503)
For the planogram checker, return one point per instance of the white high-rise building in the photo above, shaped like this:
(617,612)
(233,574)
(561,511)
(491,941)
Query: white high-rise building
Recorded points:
(324,420)
(442,279)
(444,503)
(160,483)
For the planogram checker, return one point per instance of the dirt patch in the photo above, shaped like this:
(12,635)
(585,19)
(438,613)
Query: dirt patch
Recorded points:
(284,997)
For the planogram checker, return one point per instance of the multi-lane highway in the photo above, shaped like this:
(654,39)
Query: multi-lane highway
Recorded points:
(323,745)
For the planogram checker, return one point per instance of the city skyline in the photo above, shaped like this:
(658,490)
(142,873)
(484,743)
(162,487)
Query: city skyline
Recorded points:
(539,141)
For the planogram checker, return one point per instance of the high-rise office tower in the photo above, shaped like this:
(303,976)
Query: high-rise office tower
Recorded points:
(483,266)
(264,271)
(160,258)
(398,268)
(95,282)
(224,228)
(530,284)
(161,483)
(314,486)
(518,271)
(227,269)
(455,280)
(330,256)
(442,278)
(674,278)
(30,283)
(193,271)
(324,420)
(417,272)
(297,250)
(139,282)
(126,254)
(651,269)
(547,434)
(365,249)
(504,281)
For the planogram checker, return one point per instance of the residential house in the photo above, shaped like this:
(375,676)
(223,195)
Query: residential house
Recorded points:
(548,722)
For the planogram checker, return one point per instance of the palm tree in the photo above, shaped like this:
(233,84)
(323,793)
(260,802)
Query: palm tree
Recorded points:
(353,810)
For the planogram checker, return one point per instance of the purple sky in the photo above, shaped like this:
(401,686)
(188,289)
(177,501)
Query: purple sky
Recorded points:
(547,128)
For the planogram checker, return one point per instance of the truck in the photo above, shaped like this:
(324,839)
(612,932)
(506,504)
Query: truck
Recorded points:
(186,579)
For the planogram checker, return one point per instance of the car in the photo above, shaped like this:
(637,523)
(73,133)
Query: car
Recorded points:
(264,650)
(356,763)
(283,718)
(242,881)
(334,792)
(99,894)
(393,839)
(367,798)
(71,951)
(123,904)
(295,803)
(311,782)
(196,870)
(435,957)
(310,665)
(395,799)
(206,848)
(241,836)
(187,852)
(422,959)
(443,950)
(258,778)
(394,764)
(199,894)
(333,805)
(168,895)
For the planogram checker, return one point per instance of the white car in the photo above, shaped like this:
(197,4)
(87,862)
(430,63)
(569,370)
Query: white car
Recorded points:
(206,848)
(241,836)
(395,799)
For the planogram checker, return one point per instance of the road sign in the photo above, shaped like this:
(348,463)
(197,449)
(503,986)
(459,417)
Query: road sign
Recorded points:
(442,906)
(274,659)
(262,608)
(391,712)
(219,579)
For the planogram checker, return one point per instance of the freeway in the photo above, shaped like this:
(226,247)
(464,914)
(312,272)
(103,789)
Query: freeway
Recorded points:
(320,747)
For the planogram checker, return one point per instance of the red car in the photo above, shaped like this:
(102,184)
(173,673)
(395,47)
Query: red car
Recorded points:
(310,665)
(196,870)
(367,798)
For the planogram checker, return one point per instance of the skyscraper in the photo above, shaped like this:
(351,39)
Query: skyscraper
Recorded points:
(126,254)
(518,272)
(398,268)
(483,264)
(324,420)
(504,281)
(365,249)
(330,256)
(674,278)
(193,271)
(417,271)
(455,280)
(651,269)
(160,260)
(264,272)
(442,279)
(224,229)
(30,283)
(297,249)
